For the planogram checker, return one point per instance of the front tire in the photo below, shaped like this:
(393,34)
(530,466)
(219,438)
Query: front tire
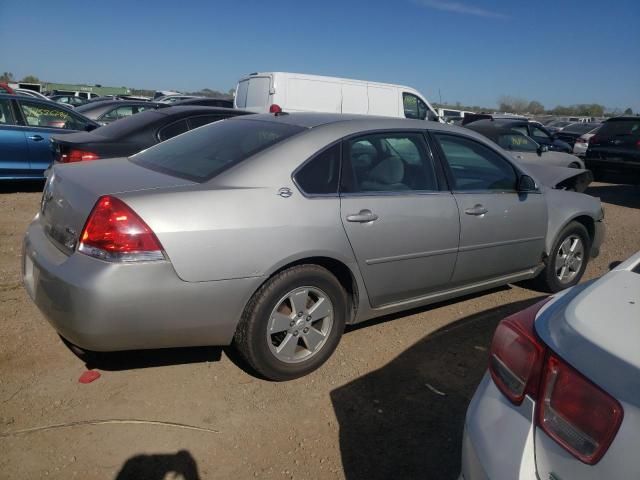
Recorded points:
(568,259)
(293,323)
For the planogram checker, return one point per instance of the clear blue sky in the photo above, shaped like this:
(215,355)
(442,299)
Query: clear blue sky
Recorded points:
(558,52)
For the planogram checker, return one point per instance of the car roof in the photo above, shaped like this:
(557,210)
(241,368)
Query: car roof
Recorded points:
(493,127)
(623,118)
(105,103)
(313,120)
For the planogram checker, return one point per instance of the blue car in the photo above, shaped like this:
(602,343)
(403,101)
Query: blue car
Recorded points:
(26,124)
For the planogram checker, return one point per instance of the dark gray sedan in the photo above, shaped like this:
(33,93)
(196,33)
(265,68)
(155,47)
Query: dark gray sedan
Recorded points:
(274,231)
(107,111)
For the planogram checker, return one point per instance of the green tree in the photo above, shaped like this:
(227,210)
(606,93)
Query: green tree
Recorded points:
(30,79)
(535,107)
(6,77)
(628,111)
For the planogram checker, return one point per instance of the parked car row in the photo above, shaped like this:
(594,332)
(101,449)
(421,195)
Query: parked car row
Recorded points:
(321,202)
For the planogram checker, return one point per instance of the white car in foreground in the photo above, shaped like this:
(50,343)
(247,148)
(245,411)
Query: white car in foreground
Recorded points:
(561,399)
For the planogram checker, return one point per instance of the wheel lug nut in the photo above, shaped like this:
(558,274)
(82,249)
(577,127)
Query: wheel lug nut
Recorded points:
(308,318)
(295,334)
(306,329)
(299,314)
(292,323)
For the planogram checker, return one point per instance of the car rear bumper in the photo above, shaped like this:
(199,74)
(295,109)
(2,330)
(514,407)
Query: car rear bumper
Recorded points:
(104,306)
(498,437)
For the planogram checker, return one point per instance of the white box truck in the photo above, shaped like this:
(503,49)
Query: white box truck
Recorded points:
(295,92)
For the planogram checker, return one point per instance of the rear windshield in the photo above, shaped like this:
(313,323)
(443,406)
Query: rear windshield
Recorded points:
(629,126)
(203,153)
(253,92)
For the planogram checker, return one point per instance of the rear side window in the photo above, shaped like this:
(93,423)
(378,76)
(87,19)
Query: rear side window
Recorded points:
(620,127)
(6,114)
(173,129)
(320,175)
(201,154)
(393,162)
(200,120)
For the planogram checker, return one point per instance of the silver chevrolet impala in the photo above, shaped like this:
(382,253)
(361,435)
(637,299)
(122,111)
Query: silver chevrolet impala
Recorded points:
(272,232)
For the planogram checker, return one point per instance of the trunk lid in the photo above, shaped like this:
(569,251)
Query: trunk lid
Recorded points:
(72,190)
(596,329)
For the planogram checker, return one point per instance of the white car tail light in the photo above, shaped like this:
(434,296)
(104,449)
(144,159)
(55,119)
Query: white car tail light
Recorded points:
(516,355)
(115,233)
(577,414)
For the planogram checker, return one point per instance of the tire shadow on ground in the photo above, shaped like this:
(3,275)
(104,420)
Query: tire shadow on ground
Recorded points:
(405,420)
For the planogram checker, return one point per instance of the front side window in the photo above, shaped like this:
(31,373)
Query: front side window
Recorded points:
(521,129)
(44,115)
(6,114)
(203,153)
(537,132)
(320,175)
(475,166)
(393,162)
(414,107)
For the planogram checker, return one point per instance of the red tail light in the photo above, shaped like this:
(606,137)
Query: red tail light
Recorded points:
(516,355)
(275,108)
(577,414)
(74,155)
(115,233)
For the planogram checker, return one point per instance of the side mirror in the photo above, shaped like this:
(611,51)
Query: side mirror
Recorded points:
(541,149)
(527,184)
(90,128)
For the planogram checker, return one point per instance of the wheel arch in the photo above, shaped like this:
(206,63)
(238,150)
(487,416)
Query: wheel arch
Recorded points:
(584,219)
(345,275)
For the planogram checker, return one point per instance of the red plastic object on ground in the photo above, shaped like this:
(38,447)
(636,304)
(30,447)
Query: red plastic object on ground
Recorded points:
(89,376)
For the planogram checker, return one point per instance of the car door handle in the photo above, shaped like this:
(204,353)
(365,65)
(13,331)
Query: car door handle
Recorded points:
(477,210)
(35,138)
(363,217)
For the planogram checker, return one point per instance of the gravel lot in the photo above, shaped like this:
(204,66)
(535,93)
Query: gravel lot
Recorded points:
(390,403)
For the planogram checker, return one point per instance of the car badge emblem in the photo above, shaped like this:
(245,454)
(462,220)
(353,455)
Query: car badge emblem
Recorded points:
(285,192)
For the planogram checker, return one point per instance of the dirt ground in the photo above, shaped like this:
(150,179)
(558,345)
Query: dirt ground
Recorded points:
(390,403)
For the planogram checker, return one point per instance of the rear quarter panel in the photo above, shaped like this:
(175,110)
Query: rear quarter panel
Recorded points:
(236,225)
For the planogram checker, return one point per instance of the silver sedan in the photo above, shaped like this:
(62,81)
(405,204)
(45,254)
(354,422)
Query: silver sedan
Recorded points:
(272,232)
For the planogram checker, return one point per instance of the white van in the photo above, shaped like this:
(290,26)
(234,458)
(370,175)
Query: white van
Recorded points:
(294,92)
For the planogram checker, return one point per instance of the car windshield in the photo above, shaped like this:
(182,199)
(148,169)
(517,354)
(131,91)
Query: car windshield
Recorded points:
(203,153)
(518,142)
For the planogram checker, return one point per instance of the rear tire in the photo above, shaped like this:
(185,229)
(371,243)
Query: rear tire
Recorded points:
(293,323)
(567,260)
